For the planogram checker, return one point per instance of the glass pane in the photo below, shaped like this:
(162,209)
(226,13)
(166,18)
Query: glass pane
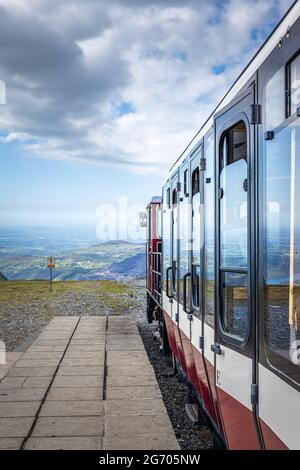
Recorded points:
(282,250)
(184,241)
(196,225)
(235,298)
(175,246)
(166,237)
(233,215)
(196,286)
(295,84)
(209,231)
(275,100)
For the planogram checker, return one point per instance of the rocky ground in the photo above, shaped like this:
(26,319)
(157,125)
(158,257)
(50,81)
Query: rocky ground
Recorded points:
(26,307)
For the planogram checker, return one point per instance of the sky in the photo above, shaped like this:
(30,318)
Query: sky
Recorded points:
(103,95)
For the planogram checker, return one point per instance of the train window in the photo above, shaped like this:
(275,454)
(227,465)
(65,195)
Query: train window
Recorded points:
(166,235)
(233,203)
(185,183)
(235,298)
(174,239)
(158,221)
(196,226)
(234,230)
(168,198)
(184,209)
(209,207)
(275,106)
(293,70)
(281,250)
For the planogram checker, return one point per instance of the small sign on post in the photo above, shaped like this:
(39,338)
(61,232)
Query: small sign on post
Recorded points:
(51,265)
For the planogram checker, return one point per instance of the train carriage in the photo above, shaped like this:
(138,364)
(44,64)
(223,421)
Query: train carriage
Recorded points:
(227,285)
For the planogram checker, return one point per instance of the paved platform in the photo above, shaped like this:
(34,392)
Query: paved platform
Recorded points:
(85,383)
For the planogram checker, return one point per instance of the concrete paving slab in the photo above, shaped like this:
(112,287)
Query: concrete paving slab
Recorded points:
(63,443)
(11,359)
(83,361)
(137,424)
(144,406)
(15,427)
(31,371)
(22,394)
(37,362)
(78,381)
(12,382)
(81,354)
(144,442)
(19,409)
(131,380)
(37,382)
(72,408)
(42,355)
(79,394)
(10,443)
(145,369)
(81,370)
(146,391)
(69,427)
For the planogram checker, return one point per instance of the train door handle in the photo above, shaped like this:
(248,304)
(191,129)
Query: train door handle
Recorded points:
(168,282)
(185,278)
(216,348)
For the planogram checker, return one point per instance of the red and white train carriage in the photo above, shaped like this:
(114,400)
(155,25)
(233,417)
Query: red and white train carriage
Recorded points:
(224,278)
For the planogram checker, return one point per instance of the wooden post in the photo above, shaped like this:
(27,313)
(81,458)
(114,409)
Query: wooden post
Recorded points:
(51,265)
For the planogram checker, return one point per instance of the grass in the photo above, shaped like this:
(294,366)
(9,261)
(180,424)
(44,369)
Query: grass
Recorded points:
(31,291)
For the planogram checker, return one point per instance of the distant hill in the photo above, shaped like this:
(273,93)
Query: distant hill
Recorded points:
(2,277)
(110,260)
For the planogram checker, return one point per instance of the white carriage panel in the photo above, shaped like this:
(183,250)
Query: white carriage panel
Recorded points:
(184,323)
(209,339)
(234,375)
(167,306)
(196,332)
(279,407)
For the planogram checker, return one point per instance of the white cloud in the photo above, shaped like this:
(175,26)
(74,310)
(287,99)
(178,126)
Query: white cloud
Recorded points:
(69,66)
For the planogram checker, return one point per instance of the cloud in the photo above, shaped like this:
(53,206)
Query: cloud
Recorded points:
(121,82)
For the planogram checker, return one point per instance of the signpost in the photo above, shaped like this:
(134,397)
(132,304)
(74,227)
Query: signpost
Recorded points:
(51,265)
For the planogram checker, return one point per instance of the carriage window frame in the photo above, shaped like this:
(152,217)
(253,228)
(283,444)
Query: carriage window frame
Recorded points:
(288,66)
(195,268)
(226,137)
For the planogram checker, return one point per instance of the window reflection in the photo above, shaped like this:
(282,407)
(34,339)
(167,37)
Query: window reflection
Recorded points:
(295,84)
(166,235)
(234,230)
(282,250)
(196,237)
(235,298)
(233,204)
(209,204)
(184,234)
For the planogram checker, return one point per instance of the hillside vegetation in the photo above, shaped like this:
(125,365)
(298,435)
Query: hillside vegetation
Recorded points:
(115,260)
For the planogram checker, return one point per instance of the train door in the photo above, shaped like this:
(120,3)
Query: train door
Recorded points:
(235,354)
(175,202)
